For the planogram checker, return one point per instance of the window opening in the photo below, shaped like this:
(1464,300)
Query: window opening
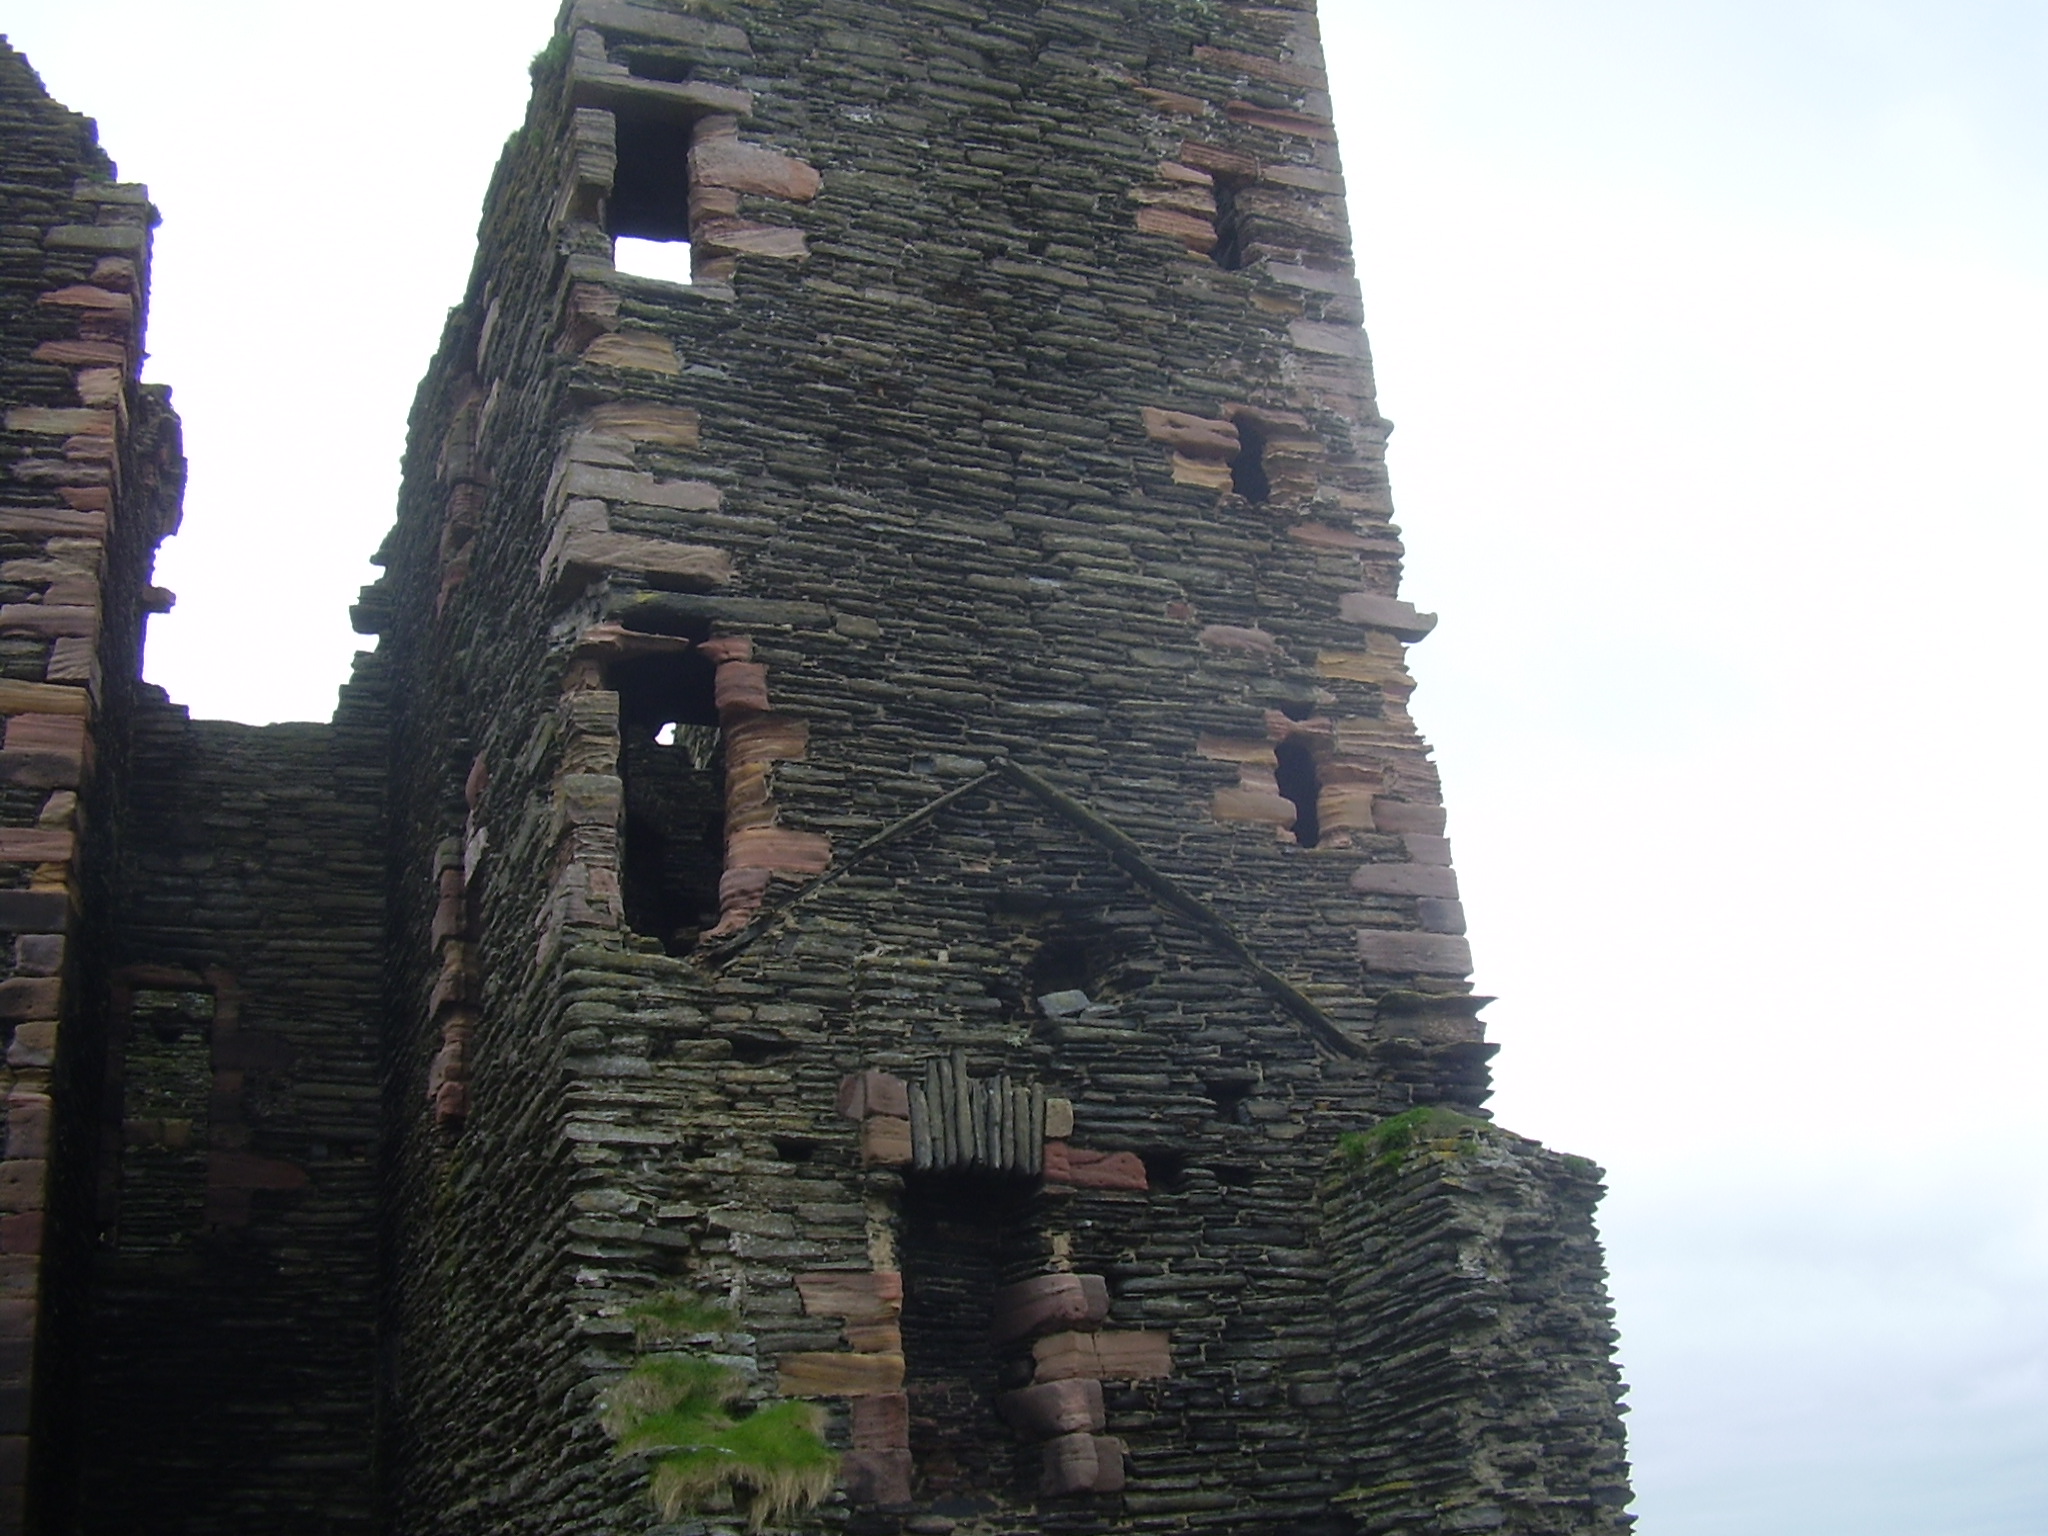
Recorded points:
(648,213)
(1248,475)
(1232,1098)
(167,1088)
(1295,775)
(964,1237)
(672,764)
(1229,250)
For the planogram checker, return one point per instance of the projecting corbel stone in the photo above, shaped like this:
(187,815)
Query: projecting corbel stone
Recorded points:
(1403,620)
(624,17)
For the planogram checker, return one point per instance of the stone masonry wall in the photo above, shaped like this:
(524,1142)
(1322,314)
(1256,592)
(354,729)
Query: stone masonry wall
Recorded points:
(1009,490)
(90,478)
(229,1381)
(1465,1256)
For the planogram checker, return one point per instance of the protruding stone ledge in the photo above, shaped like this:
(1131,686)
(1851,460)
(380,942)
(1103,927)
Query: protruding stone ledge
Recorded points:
(1372,609)
(1415,954)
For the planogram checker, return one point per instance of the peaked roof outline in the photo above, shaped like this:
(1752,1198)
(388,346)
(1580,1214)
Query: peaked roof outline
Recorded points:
(1123,851)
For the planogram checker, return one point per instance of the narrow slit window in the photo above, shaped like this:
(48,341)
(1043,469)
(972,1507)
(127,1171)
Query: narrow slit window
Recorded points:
(648,214)
(1296,777)
(672,762)
(1248,469)
(1229,250)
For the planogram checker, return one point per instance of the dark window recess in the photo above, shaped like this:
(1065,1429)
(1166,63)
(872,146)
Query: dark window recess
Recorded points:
(1296,777)
(672,762)
(1232,1098)
(651,189)
(1248,469)
(963,1237)
(1229,250)
(167,1087)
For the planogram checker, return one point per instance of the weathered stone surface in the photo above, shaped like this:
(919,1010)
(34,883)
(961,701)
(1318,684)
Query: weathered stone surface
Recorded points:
(838,1375)
(852,1294)
(1104,1356)
(1089,1169)
(1054,1408)
(1049,1302)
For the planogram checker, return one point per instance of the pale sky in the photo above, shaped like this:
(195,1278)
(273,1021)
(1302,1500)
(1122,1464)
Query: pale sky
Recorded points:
(1713,330)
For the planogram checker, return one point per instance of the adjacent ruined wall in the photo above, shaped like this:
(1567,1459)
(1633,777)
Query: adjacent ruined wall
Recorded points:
(1464,1255)
(229,1373)
(90,478)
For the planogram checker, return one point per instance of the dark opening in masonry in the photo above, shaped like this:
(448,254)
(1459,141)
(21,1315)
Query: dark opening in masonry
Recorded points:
(1248,469)
(648,213)
(1229,250)
(963,1237)
(1232,1098)
(672,764)
(1296,776)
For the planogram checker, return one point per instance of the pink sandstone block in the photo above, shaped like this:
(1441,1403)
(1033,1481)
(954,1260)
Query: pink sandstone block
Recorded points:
(879,1477)
(1088,1169)
(1083,1463)
(873,1092)
(1054,1408)
(856,1295)
(1046,1303)
(885,1142)
(1121,1356)
(881,1422)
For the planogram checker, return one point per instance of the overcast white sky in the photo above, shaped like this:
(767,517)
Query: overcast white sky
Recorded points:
(1714,330)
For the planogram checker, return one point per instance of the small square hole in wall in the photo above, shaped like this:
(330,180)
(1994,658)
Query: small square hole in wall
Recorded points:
(665,261)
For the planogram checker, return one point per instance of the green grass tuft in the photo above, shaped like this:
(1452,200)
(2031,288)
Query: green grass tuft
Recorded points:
(1387,1144)
(687,1414)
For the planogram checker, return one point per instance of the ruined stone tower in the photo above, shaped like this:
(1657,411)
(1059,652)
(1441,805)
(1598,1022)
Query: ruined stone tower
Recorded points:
(880,858)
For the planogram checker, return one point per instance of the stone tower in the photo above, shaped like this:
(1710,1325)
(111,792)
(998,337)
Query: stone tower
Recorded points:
(883,823)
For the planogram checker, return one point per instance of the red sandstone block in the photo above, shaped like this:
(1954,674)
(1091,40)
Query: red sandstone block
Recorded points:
(885,1142)
(752,168)
(21,1183)
(49,620)
(1104,1356)
(1083,1463)
(36,845)
(876,1477)
(882,1422)
(28,1124)
(802,853)
(1046,1303)
(1087,1169)
(858,1296)
(833,1374)
(1198,436)
(34,1044)
(1235,637)
(21,1232)
(873,1092)
(1054,1408)
(31,997)
(17,1317)
(1409,816)
(874,1338)
(451,1104)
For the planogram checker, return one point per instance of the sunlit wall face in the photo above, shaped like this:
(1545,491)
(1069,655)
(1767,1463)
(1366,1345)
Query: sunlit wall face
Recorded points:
(1712,331)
